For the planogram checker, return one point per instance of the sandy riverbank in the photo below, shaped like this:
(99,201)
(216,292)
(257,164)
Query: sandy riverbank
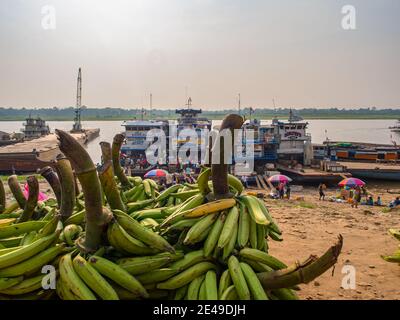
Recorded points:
(310,226)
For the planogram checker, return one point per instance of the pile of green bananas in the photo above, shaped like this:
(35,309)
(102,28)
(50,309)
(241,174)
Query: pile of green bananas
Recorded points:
(173,244)
(179,243)
(395,257)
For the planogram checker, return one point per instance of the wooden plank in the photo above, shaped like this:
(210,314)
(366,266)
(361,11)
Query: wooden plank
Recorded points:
(262,182)
(258,183)
(269,183)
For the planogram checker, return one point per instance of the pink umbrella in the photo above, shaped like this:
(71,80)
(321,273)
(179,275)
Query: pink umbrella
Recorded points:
(41,197)
(351,183)
(156,173)
(279,178)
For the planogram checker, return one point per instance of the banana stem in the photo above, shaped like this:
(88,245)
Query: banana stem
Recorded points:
(2,197)
(66,176)
(106,175)
(76,184)
(119,172)
(31,203)
(220,170)
(303,272)
(96,218)
(105,152)
(54,182)
(16,191)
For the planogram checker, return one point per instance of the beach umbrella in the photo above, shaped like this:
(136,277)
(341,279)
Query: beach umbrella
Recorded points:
(156,173)
(351,183)
(278,178)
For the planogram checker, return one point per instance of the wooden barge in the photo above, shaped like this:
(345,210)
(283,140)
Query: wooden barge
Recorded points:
(309,175)
(29,156)
(376,171)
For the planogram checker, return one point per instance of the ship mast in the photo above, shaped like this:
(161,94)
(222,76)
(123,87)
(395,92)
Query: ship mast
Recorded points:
(77,120)
(239,105)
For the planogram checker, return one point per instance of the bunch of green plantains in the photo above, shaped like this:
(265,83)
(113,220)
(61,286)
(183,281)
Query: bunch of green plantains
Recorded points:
(123,238)
(395,257)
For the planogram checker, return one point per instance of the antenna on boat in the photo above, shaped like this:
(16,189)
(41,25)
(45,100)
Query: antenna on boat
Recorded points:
(151,103)
(189,103)
(77,120)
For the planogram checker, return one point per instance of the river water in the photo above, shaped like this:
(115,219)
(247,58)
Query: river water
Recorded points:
(372,131)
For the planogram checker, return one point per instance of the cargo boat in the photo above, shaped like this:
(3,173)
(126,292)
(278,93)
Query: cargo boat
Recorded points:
(29,156)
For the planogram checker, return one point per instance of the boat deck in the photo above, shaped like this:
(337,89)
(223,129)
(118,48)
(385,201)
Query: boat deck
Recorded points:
(42,144)
(370,166)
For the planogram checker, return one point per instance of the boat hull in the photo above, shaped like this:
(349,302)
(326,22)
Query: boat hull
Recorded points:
(376,174)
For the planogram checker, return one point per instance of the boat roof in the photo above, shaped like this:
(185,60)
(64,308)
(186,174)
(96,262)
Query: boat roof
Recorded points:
(144,123)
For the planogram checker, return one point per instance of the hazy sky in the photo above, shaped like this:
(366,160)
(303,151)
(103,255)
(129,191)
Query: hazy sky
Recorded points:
(293,50)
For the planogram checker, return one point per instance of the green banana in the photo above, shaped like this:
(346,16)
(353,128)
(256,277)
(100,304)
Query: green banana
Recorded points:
(20,228)
(126,243)
(227,250)
(189,259)
(32,264)
(118,275)
(147,188)
(156,276)
(261,237)
(230,221)
(139,205)
(230,294)
(213,236)
(26,252)
(185,195)
(224,282)
(180,293)
(186,276)
(72,281)
(202,291)
(180,225)
(211,285)
(28,238)
(272,224)
(244,226)
(138,265)
(25,286)
(71,232)
(253,234)
(263,257)
(235,183)
(202,181)
(194,288)
(49,227)
(11,242)
(6,283)
(197,231)
(93,279)
(76,218)
(255,210)
(256,289)
(238,278)
(136,230)
(167,192)
(156,213)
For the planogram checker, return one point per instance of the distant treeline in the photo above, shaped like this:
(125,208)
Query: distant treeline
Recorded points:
(62,114)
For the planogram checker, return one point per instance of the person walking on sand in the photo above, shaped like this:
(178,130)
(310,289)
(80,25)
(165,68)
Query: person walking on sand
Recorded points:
(356,197)
(321,189)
